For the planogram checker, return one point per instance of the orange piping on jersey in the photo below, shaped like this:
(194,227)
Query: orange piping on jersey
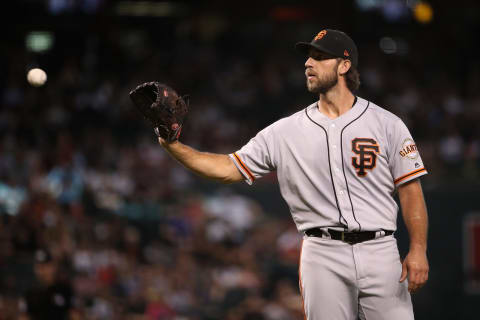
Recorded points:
(240,162)
(408,175)
(300,281)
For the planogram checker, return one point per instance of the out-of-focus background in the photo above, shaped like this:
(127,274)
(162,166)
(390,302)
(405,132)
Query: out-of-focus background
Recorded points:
(97,222)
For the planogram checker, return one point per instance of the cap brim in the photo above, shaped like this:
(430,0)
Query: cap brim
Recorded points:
(304,47)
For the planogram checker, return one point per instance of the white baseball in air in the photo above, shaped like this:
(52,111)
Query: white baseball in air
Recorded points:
(36,77)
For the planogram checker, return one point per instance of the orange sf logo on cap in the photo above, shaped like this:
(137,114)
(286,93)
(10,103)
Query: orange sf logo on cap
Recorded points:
(345,53)
(320,35)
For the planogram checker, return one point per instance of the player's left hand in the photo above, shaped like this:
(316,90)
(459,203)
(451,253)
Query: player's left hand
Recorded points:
(416,267)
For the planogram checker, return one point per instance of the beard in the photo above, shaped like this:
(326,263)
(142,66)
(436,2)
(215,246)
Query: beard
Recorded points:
(322,85)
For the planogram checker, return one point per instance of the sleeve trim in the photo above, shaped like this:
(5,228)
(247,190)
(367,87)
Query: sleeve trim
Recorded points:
(243,166)
(410,174)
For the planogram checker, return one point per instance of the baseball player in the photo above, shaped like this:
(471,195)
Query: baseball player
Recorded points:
(339,162)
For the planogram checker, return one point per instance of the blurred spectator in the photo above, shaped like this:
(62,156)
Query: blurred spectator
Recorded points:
(50,297)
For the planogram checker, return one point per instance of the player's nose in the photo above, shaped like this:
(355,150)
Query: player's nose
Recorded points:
(309,62)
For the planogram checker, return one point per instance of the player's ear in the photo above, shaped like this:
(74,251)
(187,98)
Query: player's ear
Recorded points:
(344,66)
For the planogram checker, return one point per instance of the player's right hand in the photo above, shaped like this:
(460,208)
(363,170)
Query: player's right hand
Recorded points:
(163,107)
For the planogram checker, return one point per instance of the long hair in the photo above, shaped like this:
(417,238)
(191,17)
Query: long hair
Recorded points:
(352,77)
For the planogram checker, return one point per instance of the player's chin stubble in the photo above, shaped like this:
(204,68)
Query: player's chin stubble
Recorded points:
(324,84)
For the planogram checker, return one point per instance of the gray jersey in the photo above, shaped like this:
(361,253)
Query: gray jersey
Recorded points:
(336,173)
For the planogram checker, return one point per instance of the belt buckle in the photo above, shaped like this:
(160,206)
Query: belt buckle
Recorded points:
(346,240)
(351,239)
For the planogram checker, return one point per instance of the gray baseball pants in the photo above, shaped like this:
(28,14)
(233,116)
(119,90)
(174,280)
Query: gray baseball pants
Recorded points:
(339,281)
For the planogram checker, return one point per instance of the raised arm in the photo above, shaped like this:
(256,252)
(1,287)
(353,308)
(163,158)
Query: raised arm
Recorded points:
(217,167)
(415,216)
(166,110)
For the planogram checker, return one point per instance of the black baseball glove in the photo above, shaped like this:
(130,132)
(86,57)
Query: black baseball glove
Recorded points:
(163,107)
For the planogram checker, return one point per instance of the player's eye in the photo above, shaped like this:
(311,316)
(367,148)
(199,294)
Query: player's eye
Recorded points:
(318,55)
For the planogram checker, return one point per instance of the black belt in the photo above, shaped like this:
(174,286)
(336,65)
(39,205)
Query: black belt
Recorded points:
(348,237)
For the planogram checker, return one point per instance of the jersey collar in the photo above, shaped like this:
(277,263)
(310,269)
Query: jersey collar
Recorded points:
(358,107)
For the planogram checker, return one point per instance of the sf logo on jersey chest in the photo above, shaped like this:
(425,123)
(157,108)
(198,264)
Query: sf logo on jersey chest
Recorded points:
(365,158)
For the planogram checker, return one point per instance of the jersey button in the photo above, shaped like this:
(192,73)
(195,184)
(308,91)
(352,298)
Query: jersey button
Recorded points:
(332,125)
(334,146)
(341,192)
(337,170)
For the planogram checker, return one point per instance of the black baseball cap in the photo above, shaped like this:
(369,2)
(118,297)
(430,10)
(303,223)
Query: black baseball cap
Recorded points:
(334,42)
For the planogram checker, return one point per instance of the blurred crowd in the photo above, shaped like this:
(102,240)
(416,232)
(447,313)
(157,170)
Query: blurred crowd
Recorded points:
(201,257)
(127,232)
